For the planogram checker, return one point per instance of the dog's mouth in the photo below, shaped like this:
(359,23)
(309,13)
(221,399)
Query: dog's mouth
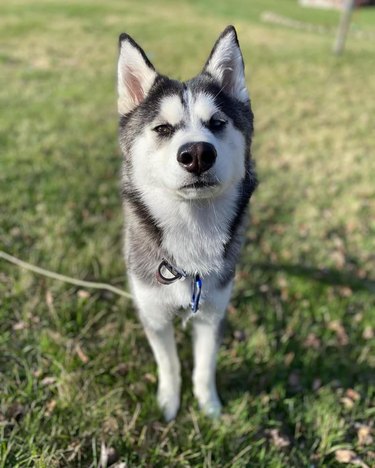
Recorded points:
(200,189)
(200,184)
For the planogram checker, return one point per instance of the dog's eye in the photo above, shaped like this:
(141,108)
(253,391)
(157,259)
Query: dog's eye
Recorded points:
(216,124)
(164,130)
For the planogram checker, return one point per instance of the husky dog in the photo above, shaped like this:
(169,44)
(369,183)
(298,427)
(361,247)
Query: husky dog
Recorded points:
(186,182)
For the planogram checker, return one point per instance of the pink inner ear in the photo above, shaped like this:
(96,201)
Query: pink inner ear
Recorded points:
(134,86)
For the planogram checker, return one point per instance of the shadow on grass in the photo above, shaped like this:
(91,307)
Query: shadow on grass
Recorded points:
(326,360)
(335,366)
(327,276)
(301,356)
(329,363)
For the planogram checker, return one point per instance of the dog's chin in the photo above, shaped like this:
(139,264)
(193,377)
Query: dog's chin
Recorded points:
(199,190)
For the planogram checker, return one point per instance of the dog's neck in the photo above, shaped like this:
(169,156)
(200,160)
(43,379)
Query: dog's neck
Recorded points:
(194,232)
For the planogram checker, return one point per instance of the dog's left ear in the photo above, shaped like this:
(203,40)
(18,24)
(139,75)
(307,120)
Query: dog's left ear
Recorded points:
(136,75)
(226,66)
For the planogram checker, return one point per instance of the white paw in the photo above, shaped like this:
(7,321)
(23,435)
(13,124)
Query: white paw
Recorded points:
(208,400)
(211,408)
(169,403)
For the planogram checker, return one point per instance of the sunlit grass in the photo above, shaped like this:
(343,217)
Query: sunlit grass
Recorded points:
(296,363)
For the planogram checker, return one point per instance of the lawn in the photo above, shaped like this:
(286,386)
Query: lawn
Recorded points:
(296,368)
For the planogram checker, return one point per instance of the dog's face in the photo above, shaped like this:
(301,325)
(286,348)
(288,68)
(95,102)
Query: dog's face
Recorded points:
(189,139)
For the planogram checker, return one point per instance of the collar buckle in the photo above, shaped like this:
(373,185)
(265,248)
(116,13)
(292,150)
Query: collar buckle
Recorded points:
(196,293)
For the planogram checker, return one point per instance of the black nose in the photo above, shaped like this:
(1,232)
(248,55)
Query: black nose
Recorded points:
(196,157)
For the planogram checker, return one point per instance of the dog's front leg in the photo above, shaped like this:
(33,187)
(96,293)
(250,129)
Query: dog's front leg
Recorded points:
(206,343)
(163,345)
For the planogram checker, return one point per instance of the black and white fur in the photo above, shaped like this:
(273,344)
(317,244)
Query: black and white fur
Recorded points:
(194,220)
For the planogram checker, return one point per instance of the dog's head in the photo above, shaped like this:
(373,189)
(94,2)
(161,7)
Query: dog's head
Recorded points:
(189,139)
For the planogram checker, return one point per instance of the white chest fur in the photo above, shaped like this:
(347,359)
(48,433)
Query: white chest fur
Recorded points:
(195,232)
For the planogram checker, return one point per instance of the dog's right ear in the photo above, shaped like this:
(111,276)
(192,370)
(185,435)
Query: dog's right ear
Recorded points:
(136,75)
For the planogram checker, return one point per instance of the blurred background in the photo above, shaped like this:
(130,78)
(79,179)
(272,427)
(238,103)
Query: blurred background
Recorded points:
(296,369)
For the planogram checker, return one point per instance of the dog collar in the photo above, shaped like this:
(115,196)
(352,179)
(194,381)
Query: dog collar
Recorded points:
(176,274)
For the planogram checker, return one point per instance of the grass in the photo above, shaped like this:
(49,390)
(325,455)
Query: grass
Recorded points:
(296,369)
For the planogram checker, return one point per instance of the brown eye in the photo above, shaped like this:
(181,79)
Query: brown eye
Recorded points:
(164,130)
(216,125)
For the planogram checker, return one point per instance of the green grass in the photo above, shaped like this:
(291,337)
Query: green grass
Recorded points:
(297,361)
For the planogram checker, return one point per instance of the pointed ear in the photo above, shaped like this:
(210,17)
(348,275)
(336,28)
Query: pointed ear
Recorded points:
(226,66)
(136,75)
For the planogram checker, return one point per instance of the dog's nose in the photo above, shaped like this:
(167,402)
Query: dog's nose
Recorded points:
(197,157)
